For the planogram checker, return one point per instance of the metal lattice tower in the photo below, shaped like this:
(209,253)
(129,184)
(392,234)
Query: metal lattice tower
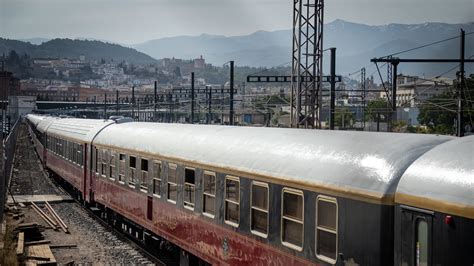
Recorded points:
(389,80)
(307,63)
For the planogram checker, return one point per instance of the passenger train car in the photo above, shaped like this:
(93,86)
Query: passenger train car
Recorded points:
(243,195)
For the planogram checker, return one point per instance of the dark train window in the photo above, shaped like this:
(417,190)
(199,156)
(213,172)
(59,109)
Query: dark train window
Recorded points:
(144,175)
(189,188)
(112,165)
(122,159)
(79,153)
(292,218)
(209,194)
(232,199)
(326,229)
(105,157)
(96,161)
(172,183)
(259,209)
(132,165)
(156,178)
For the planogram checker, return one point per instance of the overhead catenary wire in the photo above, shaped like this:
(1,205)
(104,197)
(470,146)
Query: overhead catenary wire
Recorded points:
(425,45)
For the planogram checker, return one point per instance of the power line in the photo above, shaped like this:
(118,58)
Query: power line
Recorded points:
(423,46)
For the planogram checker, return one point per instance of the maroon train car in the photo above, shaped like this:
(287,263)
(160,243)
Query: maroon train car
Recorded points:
(238,196)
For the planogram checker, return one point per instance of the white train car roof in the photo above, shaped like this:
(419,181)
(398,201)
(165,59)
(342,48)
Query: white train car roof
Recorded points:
(82,130)
(362,165)
(44,124)
(35,119)
(442,179)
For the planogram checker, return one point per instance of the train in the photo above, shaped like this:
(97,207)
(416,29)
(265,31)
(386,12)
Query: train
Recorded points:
(228,195)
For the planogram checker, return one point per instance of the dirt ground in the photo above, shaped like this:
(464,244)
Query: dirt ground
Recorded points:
(95,243)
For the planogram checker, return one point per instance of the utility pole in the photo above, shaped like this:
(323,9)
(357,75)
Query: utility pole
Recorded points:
(332,104)
(170,99)
(362,83)
(460,118)
(394,94)
(117,101)
(105,105)
(209,103)
(155,101)
(133,102)
(231,112)
(138,110)
(192,97)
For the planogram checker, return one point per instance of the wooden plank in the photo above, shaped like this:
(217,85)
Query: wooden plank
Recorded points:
(39,198)
(39,242)
(64,246)
(42,251)
(57,218)
(21,244)
(37,258)
(44,216)
(26,225)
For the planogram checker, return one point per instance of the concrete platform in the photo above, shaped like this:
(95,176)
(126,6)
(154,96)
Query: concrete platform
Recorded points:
(38,198)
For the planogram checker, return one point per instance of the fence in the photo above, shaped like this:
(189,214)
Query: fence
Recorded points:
(8,154)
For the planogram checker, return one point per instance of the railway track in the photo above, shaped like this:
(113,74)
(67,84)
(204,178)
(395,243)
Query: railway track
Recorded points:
(97,241)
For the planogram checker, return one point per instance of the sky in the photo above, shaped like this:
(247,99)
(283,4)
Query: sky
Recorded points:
(136,21)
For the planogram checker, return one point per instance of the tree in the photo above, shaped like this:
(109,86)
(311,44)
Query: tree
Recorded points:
(439,113)
(377,108)
(343,117)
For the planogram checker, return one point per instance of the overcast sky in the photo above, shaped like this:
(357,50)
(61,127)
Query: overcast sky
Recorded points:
(135,21)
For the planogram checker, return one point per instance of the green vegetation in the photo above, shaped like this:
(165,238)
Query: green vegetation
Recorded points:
(67,48)
(343,117)
(377,108)
(438,114)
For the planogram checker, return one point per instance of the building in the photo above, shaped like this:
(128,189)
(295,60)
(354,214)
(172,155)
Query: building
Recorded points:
(412,90)
(20,105)
(199,63)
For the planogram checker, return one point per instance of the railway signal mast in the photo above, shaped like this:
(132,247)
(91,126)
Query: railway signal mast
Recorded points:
(307,63)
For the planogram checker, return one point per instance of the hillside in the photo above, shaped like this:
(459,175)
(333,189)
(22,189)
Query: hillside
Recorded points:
(356,45)
(67,48)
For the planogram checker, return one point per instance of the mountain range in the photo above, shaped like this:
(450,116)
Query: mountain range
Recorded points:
(356,44)
(67,48)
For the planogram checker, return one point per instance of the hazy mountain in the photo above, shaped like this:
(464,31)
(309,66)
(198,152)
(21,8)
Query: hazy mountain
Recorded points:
(67,48)
(36,41)
(356,44)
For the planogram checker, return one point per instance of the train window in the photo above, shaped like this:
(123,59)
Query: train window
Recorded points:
(326,229)
(66,150)
(69,150)
(76,153)
(172,183)
(292,218)
(96,161)
(79,154)
(132,171)
(189,188)
(259,209)
(112,165)
(156,178)
(74,156)
(421,242)
(122,168)
(144,175)
(209,194)
(232,200)
(105,158)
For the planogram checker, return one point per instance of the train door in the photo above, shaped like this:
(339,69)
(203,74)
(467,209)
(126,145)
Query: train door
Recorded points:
(416,236)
